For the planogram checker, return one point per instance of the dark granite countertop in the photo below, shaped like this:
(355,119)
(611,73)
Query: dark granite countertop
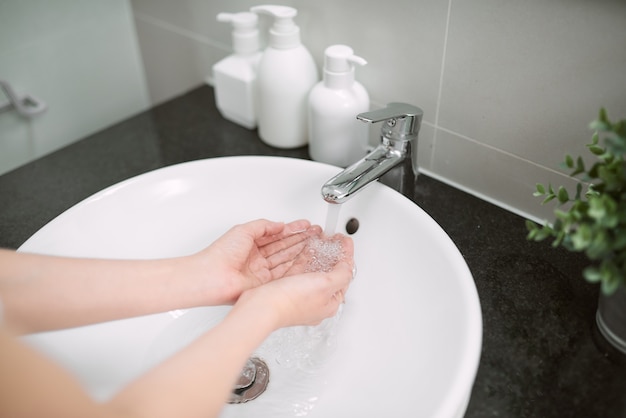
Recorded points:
(538,358)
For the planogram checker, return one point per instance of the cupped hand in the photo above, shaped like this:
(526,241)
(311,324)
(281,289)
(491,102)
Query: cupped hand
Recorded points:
(303,299)
(309,291)
(255,253)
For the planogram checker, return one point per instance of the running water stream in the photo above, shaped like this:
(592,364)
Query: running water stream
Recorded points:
(332,216)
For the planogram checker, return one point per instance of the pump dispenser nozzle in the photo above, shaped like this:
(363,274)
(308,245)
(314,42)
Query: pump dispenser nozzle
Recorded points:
(339,61)
(245,32)
(284,33)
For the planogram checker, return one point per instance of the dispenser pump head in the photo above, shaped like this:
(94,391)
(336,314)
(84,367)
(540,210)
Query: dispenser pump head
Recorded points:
(284,33)
(341,59)
(245,32)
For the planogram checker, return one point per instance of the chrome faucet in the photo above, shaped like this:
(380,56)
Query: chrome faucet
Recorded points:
(393,161)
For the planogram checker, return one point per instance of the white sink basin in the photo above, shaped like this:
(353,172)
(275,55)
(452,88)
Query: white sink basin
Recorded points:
(406,344)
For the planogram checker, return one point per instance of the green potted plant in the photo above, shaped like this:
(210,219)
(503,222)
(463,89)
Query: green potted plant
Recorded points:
(594,222)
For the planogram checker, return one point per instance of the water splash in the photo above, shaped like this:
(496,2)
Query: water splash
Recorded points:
(323,254)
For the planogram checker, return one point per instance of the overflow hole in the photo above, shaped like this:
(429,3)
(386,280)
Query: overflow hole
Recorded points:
(352,226)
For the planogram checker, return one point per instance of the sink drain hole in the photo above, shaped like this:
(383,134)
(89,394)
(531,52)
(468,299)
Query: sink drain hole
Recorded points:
(352,226)
(252,383)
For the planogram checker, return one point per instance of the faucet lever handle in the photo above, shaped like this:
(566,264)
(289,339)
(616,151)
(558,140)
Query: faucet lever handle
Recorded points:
(403,120)
(392,111)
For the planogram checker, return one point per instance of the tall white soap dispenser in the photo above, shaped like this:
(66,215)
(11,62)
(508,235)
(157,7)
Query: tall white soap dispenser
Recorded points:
(235,76)
(287,73)
(335,135)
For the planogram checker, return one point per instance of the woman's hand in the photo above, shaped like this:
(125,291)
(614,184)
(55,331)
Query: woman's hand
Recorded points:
(44,293)
(307,298)
(252,254)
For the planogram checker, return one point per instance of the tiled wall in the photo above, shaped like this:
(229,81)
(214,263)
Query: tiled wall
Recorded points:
(507,87)
(79,56)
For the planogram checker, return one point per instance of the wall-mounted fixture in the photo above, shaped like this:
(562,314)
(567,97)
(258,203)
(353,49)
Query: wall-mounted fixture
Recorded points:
(25,104)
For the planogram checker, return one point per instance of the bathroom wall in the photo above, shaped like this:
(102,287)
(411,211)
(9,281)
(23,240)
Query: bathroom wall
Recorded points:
(507,87)
(79,56)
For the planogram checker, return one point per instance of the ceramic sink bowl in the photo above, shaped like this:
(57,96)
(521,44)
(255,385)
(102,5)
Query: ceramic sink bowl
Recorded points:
(408,339)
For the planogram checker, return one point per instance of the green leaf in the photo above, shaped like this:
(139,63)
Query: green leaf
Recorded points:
(596,150)
(610,283)
(540,190)
(592,274)
(602,123)
(569,161)
(563,195)
(582,237)
(620,241)
(602,116)
(537,232)
(597,210)
(559,239)
(598,125)
(530,225)
(593,171)
(579,189)
(599,247)
(616,144)
(580,167)
(620,128)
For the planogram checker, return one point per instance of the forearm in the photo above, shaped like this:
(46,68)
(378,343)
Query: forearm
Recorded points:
(206,369)
(43,292)
(195,382)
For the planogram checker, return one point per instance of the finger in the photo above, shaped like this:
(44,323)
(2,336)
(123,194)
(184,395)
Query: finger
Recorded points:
(341,276)
(292,228)
(298,265)
(300,225)
(286,256)
(334,303)
(340,296)
(261,228)
(284,242)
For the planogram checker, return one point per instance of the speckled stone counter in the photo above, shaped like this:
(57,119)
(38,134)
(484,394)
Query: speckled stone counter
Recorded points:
(538,358)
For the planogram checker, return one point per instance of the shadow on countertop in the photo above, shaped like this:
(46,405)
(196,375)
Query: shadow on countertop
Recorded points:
(538,357)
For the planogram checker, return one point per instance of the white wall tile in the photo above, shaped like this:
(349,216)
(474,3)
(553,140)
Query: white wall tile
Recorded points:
(528,77)
(493,175)
(176,60)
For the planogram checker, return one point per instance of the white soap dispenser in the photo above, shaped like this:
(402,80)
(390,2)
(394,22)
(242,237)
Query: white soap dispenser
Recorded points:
(235,76)
(287,73)
(335,135)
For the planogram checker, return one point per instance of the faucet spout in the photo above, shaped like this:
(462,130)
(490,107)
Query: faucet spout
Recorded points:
(350,181)
(393,161)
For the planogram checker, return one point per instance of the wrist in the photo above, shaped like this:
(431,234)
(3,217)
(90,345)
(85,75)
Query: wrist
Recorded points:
(204,285)
(259,310)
